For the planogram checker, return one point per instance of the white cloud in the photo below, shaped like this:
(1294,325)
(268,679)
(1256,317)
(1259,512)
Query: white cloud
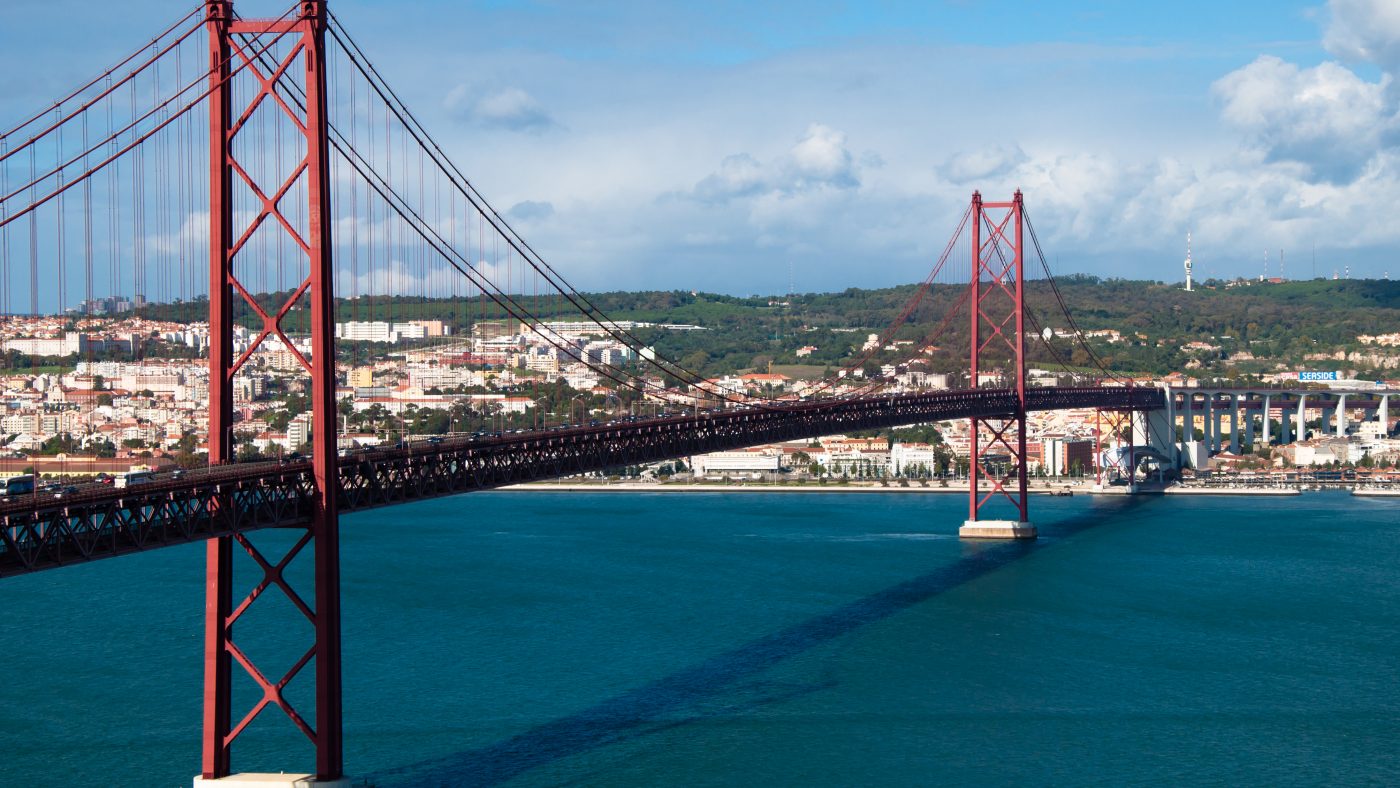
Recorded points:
(674,175)
(530,211)
(819,160)
(739,175)
(508,108)
(1365,31)
(975,165)
(1326,116)
(436,279)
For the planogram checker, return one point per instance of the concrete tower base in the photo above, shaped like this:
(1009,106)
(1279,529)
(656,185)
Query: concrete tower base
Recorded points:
(269,780)
(997,529)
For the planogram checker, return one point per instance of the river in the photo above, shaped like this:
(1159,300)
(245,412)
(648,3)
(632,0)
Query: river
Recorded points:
(532,638)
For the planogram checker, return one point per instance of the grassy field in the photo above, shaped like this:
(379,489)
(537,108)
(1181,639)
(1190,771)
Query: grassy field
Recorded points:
(798,371)
(51,369)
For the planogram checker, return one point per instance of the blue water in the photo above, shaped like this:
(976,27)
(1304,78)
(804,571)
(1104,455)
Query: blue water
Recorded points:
(761,639)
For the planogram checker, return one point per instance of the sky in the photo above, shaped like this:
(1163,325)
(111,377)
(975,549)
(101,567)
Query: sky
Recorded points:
(760,146)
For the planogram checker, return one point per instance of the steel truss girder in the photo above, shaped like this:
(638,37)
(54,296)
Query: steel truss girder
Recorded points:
(37,534)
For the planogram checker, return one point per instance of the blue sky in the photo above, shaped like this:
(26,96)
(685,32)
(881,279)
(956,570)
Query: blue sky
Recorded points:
(709,145)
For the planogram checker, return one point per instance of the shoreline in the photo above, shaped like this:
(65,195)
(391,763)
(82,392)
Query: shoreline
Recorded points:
(633,487)
(1280,491)
(756,488)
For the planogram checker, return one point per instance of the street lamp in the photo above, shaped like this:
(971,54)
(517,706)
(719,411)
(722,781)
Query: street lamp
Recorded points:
(538,407)
(582,411)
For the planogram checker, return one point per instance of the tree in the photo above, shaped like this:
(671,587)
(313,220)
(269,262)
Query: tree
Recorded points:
(696,361)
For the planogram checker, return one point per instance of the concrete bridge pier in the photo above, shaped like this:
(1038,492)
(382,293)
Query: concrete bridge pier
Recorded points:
(1302,417)
(1171,414)
(1264,422)
(270,780)
(1234,424)
(1341,415)
(1210,425)
(1249,435)
(1155,429)
(1383,415)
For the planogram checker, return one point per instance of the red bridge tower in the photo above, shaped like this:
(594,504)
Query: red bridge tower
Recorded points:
(998,446)
(276,54)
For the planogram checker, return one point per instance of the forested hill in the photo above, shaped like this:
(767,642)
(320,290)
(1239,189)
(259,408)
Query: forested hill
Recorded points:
(1276,323)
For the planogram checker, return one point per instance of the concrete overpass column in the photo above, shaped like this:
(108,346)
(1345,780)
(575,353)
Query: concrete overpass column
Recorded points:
(1217,418)
(1192,412)
(1383,415)
(1169,438)
(1171,415)
(1234,424)
(1249,424)
(1341,415)
(1265,421)
(1209,419)
(1302,417)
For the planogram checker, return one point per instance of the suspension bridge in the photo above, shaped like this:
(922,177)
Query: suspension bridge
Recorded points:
(257,181)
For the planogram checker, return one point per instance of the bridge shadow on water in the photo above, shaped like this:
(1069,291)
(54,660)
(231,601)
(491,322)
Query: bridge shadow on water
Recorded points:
(694,694)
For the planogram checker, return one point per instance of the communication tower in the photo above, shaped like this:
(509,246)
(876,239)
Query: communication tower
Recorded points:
(1188,261)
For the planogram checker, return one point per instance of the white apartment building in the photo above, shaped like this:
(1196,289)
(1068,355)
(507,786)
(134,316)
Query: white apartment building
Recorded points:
(741,461)
(911,456)
(392,333)
(855,462)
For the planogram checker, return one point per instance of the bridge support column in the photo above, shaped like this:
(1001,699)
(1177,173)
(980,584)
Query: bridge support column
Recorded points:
(1302,431)
(1249,431)
(1383,415)
(1234,424)
(1210,426)
(1188,421)
(301,59)
(998,304)
(1264,422)
(1168,437)
(1341,415)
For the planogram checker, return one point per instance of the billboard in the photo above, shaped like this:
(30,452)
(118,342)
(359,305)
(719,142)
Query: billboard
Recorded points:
(1308,375)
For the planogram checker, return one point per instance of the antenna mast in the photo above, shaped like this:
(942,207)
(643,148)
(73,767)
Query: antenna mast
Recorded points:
(1188,261)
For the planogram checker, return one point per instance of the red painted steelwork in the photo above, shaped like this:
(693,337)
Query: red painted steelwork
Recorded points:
(38,534)
(238,40)
(218,592)
(998,313)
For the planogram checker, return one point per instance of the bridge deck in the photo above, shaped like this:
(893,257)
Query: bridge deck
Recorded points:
(38,532)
